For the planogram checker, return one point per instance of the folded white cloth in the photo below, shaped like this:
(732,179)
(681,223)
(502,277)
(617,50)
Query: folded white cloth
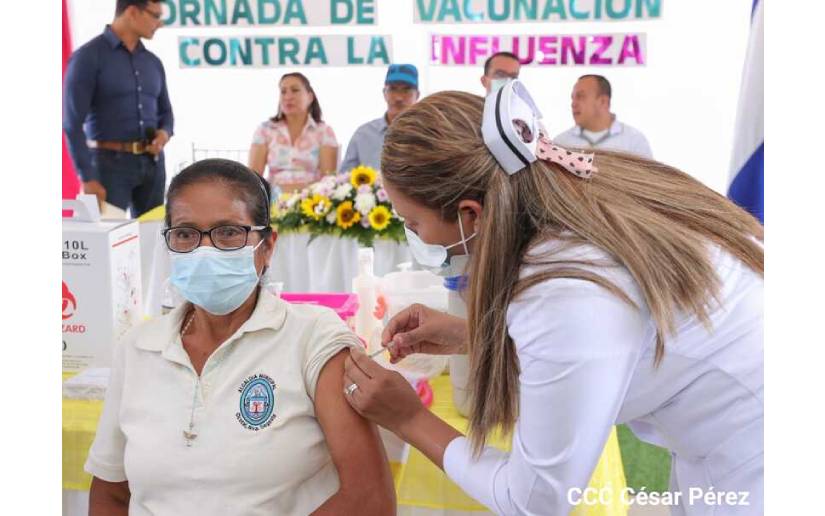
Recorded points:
(89,384)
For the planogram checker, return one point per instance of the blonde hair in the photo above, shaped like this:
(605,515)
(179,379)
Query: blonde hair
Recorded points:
(651,218)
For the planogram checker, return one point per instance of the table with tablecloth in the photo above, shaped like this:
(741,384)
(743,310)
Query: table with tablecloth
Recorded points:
(302,262)
(421,487)
(320,264)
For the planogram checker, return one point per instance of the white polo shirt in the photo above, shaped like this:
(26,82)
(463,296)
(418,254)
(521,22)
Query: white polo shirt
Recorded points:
(259,447)
(620,137)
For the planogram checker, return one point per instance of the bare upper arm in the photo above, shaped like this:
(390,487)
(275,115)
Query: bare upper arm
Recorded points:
(328,159)
(108,498)
(354,442)
(257,157)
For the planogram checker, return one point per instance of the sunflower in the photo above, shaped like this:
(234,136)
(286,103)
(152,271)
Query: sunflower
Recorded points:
(380,218)
(347,216)
(316,207)
(362,175)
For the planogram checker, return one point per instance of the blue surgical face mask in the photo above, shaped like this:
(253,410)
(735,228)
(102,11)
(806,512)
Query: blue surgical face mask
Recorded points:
(217,281)
(434,255)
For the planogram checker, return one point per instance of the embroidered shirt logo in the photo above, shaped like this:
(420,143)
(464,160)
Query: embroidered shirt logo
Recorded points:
(257,402)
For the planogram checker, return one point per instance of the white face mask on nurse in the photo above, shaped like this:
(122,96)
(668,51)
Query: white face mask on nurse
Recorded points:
(433,240)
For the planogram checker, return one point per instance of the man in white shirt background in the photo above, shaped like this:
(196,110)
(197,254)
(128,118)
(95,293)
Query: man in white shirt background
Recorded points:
(596,127)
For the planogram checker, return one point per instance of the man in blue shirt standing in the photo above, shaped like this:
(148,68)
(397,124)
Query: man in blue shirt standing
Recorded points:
(400,92)
(116,111)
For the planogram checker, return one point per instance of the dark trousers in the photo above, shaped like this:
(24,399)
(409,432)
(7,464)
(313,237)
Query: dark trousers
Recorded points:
(136,182)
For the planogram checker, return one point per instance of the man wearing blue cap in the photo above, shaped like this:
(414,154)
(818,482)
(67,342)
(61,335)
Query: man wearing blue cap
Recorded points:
(400,92)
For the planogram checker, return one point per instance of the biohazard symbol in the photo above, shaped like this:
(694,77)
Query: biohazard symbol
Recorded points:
(69,302)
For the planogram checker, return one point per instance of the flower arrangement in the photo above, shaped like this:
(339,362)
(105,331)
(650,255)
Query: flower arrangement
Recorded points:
(352,204)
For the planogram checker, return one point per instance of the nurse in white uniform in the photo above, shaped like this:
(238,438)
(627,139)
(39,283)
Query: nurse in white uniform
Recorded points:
(603,289)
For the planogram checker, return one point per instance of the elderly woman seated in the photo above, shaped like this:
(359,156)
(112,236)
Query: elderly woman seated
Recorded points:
(232,403)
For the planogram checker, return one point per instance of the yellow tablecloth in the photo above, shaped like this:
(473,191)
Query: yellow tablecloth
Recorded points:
(79,425)
(155,214)
(423,484)
(418,481)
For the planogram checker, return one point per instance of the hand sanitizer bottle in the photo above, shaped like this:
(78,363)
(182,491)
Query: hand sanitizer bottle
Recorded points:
(365,285)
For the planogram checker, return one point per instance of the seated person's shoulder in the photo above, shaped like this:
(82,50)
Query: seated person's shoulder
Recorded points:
(315,317)
(362,129)
(161,325)
(632,131)
(323,335)
(269,124)
(566,137)
(306,312)
(148,335)
(373,125)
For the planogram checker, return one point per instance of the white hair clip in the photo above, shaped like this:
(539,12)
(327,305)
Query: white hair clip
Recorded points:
(511,131)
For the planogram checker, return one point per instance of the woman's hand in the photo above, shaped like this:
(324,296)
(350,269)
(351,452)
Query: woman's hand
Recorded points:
(386,398)
(419,329)
(380,395)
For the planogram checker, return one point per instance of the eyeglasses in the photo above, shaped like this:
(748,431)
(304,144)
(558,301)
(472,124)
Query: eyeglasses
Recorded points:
(184,239)
(153,14)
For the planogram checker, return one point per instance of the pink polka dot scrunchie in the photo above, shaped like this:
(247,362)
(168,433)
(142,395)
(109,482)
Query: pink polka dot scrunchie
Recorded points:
(577,163)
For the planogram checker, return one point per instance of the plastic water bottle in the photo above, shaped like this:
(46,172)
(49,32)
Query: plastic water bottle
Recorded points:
(365,285)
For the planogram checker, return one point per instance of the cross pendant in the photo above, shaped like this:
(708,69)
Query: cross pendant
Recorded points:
(189,436)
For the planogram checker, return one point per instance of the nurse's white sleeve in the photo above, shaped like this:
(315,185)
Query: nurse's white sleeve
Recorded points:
(578,346)
(105,460)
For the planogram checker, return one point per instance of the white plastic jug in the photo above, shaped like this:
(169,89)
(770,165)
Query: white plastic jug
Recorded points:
(405,287)
(400,290)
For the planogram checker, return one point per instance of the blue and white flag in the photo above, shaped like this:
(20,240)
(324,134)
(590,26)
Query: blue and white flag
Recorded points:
(748,166)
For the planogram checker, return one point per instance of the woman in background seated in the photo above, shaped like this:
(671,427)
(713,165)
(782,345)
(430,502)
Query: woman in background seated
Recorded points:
(232,402)
(296,144)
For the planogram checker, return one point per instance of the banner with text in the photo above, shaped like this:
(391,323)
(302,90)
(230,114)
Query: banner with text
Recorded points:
(541,50)
(272,51)
(265,13)
(514,11)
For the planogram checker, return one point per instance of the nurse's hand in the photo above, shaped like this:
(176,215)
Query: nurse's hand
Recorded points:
(380,395)
(419,329)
